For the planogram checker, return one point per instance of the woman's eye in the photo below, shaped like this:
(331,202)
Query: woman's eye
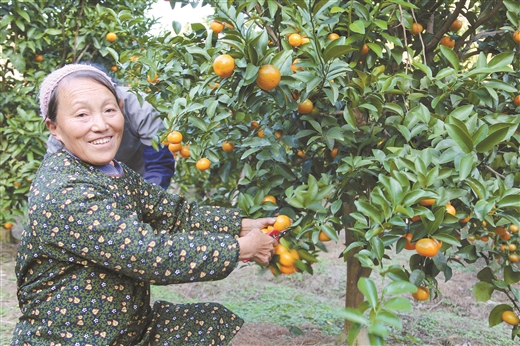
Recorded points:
(81,115)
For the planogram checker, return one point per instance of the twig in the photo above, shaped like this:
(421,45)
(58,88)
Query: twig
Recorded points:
(433,307)
(77,29)
(408,59)
(494,172)
(270,30)
(420,38)
(445,27)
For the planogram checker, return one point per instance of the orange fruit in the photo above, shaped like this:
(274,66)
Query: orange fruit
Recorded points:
(427,202)
(301,154)
(500,231)
(174,147)
(334,153)
(134,58)
(505,236)
(185,151)
(113,68)
(516,36)
(268,77)
(203,164)
(294,253)
(305,107)
(450,209)
(466,219)
(280,249)
(227,146)
(512,247)
(409,245)
(471,238)
(516,101)
(278,134)
(217,27)
(287,269)
(175,137)
(364,49)
(229,26)
(423,293)
(111,37)
(513,258)
(261,133)
(269,198)
(417,28)
(224,65)
(333,36)
(510,317)
(295,40)
(214,86)
(456,25)
(295,68)
(153,81)
(427,247)
(305,40)
(39,58)
(282,222)
(513,228)
(416,218)
(254,125)
(286,259)
(8,225)
(323,237)
(484,238)
(448,42)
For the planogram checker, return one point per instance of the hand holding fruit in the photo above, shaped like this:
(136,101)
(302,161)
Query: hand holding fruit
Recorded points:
(249,224)
(257,246)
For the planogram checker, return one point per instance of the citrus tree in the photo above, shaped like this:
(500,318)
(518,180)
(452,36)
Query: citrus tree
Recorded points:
(38,37)
(395,121)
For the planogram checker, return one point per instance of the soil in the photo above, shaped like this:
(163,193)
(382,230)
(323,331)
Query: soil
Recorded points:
(447,320)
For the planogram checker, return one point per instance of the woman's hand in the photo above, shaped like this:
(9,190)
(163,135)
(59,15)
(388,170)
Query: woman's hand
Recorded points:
(249,224)
(257,246)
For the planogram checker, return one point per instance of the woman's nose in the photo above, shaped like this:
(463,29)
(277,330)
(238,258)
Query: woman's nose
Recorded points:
(99,122)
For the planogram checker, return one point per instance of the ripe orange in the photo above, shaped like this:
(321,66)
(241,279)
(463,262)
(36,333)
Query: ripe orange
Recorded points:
(279,249)
(111,37)
(294,253)
(323,237)
(268,77)
(305,40)
(500,231)
(417,28)
(471,238)
(287,269)
(416,218)
(301,154)
(227,146)
(174,147)
(295,68)
(516,101)
(8,225)
(513,258)
(448,42)
(427,247)
(269,198)
(175,137)
(512,247)
(466,219)
(423,293)
(282,222)
(286,259)
(214,86)
(456,25)
(484,238)
(224,65)
(305,107)
(333,36)
(364,49)
(153,81)
(278,134)
(513,228)
(510,317)
(203,164)
(427,202)
(113,68)
(217,27)
(295,40)
(516,36)
(261,133)
(185,151)
(254,125)
(39,58)
(450,209)
(409,245)
(134,58)
(505,236)
(334,153)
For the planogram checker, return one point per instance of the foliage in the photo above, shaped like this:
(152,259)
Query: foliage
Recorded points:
(38,37)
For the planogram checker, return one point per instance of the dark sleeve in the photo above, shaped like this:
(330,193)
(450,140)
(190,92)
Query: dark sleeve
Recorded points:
(159,165)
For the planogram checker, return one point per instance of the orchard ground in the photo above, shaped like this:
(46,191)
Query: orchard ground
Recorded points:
(299,309)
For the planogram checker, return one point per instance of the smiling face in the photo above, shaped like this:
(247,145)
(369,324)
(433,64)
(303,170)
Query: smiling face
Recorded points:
(89,121)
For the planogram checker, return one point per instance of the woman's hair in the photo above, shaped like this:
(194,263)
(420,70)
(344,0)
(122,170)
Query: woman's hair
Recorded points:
(94,76)
(50,86)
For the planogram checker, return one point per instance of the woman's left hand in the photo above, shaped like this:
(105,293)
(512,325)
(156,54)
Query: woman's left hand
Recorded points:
(249,224)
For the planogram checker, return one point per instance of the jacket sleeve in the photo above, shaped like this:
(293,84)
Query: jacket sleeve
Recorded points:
(159,165)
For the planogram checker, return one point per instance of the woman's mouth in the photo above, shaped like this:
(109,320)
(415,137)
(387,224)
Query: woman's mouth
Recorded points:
(101,141)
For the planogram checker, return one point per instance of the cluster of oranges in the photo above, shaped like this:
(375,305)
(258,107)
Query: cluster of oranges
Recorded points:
(507,242)
(174,143)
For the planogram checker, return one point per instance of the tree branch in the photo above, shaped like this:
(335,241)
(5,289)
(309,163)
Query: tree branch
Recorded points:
(270,31)
(445,27)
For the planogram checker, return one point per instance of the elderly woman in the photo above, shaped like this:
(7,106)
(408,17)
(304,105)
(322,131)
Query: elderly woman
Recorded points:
(99,235)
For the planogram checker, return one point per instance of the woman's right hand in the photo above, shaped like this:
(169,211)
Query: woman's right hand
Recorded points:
(257,246)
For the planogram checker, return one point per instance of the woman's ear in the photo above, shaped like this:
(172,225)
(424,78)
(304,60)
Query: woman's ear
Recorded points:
(53,129)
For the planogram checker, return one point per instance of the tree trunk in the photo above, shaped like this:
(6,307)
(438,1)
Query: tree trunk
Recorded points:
(354,272)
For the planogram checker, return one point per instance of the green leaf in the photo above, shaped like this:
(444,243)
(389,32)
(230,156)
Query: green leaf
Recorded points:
(460,136)
(368,288)
(358,27)
(369,210)
(495,316)
(511,276)
(465,166)
(353,315)
(399,287)
(483,291)
(491,140)
(389,318)
(336,49)
(398,304)
(501,60)
(450,55)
